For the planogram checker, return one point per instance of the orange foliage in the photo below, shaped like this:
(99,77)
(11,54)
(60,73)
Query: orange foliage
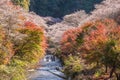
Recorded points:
(6,48)
(94,33)
(33,27)
(33,46)
(69,42)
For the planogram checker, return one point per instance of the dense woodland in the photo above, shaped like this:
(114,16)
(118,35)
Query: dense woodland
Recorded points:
(59,8)
(22,41)
(86,41)
(95,46)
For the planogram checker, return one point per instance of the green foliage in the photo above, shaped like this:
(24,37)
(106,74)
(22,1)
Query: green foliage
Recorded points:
(24,3)
(30,48)
(80,39)
(6,48)
(72,66)
(12,73)
(111,58)
(98,73)
(21,45)
(18,74)
(103,43)
(97,42)
(19,62)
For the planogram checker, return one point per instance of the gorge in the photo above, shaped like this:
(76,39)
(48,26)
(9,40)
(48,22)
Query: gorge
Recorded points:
(59,39)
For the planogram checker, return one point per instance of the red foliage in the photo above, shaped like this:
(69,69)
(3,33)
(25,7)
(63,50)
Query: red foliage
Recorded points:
(97,36)
(94,34)
(33,27)
(69,42)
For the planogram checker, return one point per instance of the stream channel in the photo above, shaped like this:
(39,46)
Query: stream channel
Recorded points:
(50,69)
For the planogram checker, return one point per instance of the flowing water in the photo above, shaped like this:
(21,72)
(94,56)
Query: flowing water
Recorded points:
(49,69)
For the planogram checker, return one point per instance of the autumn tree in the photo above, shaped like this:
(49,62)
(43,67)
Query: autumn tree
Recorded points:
(97,42)
(22,43)
(6,48)
(69,41)
(112,52)
(32,46)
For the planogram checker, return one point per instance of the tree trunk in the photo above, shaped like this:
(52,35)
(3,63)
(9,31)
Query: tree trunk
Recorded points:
(97,63)
(112,71)
(106,68)
(118,76)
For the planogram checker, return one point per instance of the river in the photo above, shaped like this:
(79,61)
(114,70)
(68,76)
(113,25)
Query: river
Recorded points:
(50,69)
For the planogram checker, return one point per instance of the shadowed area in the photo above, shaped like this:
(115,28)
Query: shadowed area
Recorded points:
(60,8)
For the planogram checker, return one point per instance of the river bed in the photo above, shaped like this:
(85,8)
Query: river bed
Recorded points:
(50,69)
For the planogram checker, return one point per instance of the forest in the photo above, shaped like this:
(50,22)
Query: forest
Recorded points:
(83,34)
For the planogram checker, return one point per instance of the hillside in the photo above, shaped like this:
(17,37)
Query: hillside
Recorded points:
(60,8)
(107,9)
(83,35)
(22,41)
